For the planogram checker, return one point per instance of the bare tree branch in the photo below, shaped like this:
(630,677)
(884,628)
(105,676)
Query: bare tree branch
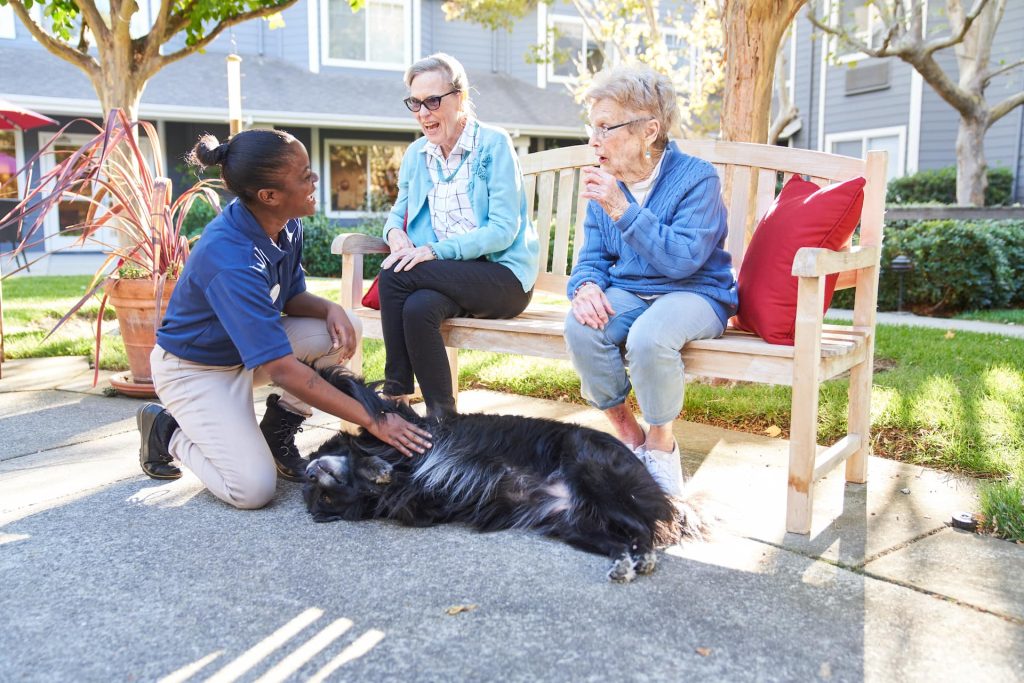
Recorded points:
(958,36)
(1005,107)
(1002,70)
(218,29)
(56,47)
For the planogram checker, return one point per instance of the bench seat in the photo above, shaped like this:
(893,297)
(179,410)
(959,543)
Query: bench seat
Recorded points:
(751,175)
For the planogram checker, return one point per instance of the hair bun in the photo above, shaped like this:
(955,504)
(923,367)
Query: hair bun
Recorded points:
(208,152)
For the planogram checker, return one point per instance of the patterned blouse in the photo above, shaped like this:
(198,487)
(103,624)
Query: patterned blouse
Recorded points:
(450,210)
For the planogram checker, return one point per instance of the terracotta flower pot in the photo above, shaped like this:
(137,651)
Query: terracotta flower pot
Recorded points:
(134,301)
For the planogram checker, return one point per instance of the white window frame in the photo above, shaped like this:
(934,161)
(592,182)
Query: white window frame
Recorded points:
(847,136)
(326,184)
(835,46)
(566,19)
(19,159)
(411,11)
(7,22)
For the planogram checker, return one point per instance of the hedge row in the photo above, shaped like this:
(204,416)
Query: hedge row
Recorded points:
(939,186)
(318,232)
(957,266)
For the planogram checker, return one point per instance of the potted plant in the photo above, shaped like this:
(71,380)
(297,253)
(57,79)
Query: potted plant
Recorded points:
(130,215)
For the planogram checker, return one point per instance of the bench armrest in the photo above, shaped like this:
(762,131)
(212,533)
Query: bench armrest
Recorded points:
(358,243)
(815,261)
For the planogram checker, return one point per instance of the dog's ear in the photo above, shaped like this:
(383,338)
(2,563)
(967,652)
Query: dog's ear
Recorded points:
(347,382)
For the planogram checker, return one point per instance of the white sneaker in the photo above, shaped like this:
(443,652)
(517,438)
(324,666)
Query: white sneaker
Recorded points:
(666,469)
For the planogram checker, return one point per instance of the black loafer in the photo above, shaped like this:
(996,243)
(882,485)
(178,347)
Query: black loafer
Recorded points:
(156,426)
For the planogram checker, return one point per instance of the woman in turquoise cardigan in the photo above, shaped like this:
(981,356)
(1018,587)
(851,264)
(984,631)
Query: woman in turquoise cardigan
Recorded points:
(467,249)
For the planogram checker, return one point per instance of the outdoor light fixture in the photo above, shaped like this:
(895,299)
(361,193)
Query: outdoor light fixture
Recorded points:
(900,265)
(235,93)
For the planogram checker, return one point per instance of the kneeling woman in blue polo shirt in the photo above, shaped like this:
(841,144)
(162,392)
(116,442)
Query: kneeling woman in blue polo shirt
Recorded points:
(224,333)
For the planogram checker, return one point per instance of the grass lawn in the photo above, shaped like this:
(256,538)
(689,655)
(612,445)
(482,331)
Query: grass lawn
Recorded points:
(950,401)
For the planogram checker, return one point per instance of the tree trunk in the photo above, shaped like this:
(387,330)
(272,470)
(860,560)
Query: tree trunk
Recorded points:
(753,30)
(971,178)
(122,75)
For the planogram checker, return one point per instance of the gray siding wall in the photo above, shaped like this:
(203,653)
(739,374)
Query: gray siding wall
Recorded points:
(472,45)
(891,107)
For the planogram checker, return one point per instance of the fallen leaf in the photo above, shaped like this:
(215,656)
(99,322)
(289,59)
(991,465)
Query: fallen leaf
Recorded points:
(455,609)
(950,334)
(773,431)
(703,651)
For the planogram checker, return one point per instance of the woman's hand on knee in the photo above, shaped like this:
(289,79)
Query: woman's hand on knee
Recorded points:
(406,259)
(409,439)
(591,307)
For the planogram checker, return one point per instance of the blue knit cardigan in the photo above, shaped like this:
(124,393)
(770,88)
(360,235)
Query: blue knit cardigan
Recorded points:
(504,232)
(674,242)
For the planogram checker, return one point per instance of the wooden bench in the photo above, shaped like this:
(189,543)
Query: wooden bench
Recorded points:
(749,174)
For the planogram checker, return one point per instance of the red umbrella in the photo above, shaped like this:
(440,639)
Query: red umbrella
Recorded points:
(13,116)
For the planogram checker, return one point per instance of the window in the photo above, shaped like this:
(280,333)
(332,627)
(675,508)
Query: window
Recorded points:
(861,21)
(570,42)
(361,176)
(378,36)
(9,165)
(859,143)
(6,22)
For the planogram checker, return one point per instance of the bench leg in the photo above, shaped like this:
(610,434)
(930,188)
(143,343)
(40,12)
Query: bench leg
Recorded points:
(803,437)
(859,420)
(803,447)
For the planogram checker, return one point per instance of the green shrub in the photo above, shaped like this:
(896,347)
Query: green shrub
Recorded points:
(197,218)
(319,231)
(939,186)
(957,266)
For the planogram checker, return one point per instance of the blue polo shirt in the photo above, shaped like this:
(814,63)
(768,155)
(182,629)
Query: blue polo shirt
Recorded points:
(226,308)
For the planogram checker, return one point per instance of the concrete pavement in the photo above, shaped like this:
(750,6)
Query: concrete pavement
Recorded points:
(107,575)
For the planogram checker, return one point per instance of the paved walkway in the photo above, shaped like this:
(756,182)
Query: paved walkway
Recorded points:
(107,575)
(909,319)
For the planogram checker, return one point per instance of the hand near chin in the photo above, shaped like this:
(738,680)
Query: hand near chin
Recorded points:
(601,186)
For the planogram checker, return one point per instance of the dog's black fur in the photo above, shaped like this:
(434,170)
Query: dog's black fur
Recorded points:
(500,472)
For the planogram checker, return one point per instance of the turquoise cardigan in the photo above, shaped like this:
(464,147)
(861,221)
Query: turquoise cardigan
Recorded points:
(504,233)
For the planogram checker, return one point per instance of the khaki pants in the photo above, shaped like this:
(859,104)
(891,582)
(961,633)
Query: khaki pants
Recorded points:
(219,439)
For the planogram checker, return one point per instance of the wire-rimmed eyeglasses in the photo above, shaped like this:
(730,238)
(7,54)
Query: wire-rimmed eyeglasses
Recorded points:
(601,132)
(431,103)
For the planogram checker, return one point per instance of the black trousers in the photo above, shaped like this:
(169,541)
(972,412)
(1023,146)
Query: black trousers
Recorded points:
(414,303)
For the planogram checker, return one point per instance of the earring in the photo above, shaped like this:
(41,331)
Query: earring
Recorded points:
(647,154)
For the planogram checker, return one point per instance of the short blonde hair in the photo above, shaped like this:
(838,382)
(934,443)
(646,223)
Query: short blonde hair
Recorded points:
(450,68)
(642,89)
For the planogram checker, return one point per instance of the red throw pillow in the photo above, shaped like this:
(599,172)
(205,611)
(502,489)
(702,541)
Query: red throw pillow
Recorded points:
(803,215)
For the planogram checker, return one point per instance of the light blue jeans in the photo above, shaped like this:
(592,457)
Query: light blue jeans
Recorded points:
(645,336)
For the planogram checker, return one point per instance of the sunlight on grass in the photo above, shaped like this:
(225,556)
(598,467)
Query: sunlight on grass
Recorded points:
(954,402)
(938,402)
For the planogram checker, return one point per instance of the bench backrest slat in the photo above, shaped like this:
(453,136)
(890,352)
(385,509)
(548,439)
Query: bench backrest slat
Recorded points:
(749,175)
(563,219)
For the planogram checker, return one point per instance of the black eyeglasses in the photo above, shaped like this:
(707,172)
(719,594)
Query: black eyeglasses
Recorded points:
(431,103)
(601,132)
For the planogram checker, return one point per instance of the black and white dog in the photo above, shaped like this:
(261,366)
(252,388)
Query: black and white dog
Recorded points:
(500,472)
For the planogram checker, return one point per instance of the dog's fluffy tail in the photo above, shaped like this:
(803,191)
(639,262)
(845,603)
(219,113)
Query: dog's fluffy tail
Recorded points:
(693,519)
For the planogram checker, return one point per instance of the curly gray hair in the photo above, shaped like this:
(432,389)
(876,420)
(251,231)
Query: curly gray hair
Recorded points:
(450,68)
(639,88)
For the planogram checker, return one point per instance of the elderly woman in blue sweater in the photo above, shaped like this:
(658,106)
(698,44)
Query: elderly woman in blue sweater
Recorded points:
(653,273)
(461,243)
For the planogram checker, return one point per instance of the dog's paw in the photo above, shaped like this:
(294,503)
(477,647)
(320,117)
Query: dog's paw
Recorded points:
(622,570)
(645,562)
(376,471)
